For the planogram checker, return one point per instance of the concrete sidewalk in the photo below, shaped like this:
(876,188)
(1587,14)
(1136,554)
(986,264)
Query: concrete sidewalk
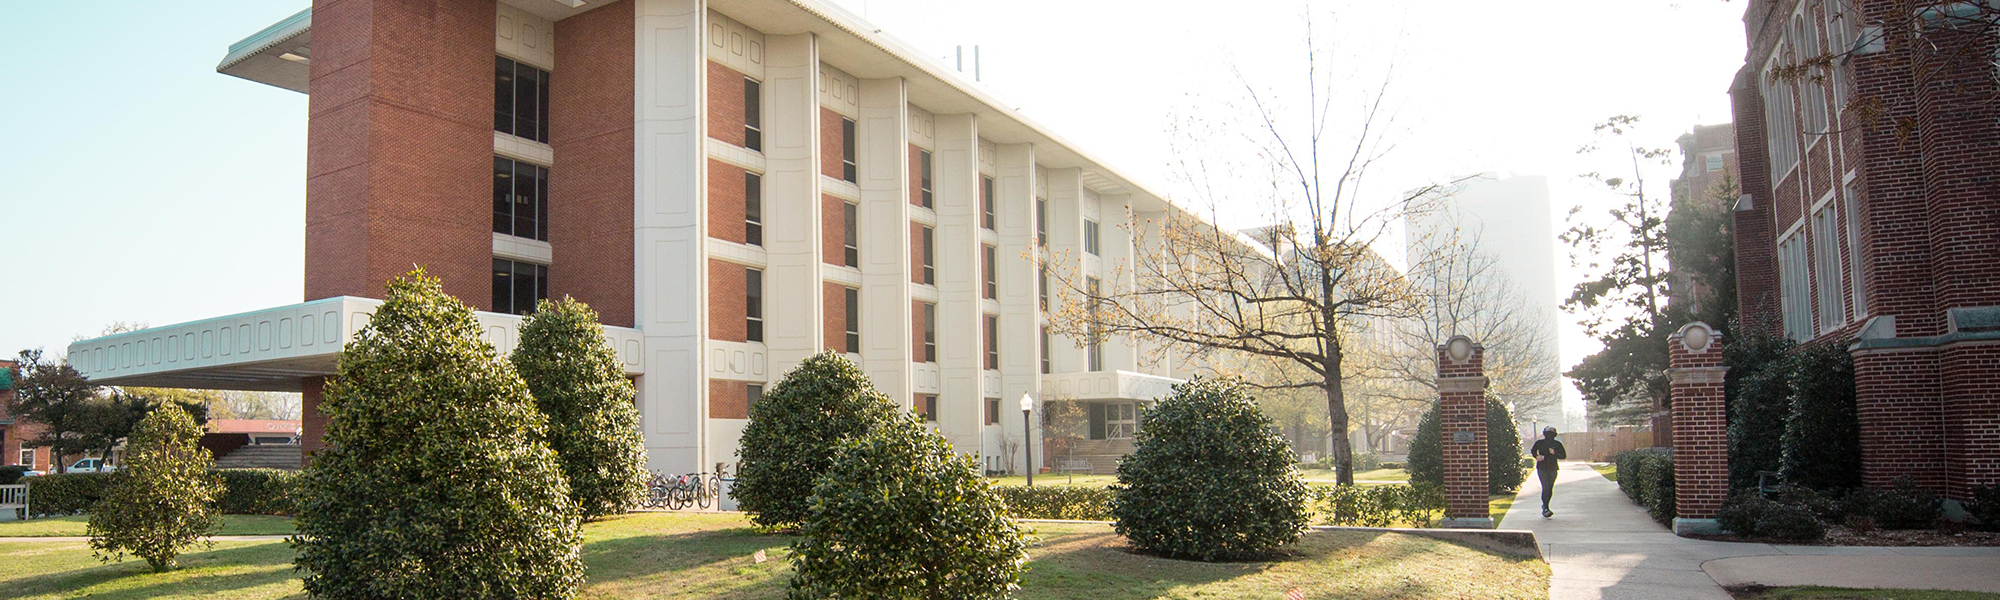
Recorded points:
(1600,545)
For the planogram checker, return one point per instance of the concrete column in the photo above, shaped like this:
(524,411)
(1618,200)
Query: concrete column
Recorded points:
(885,236)
(1020,300)
(670,228)
(1461,383)
(960,282)
(793,313)
(1065,258)
(1701,428)
(1114,232)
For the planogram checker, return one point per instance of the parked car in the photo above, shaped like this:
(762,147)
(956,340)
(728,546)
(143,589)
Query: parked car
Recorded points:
(91,465)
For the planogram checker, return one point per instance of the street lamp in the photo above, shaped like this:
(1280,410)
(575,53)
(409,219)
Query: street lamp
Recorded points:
(1027,435)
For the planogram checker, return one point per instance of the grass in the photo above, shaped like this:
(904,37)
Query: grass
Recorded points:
(1608,470)
(75,526)
(1310,475)
(1497,506)
(1825,593)
(668,555)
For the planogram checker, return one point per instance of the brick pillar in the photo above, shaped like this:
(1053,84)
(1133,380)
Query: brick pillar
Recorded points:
(312,423)
(1701,428)
(1461,383)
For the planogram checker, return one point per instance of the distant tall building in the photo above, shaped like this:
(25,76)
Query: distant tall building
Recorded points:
(1508,217)
(1708,162)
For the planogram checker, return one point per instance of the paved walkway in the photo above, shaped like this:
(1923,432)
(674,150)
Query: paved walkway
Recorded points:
(1601,545)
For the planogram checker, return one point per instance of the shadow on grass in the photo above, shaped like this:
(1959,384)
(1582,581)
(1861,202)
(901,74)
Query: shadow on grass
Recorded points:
(203,574)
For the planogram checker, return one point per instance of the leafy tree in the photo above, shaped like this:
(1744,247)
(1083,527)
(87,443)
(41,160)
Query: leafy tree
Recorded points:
(435,482)
(57,396)
(1822,433)
(108,419)
(1465,290)
(576,379)
(898,515)
(1759,393)
(795,431)
(1208,479)
(162,501)
(1503,450)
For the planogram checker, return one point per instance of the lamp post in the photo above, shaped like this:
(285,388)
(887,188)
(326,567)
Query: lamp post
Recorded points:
(1027,435)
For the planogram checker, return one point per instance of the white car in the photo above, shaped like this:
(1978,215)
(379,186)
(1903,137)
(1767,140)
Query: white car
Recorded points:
(91,465)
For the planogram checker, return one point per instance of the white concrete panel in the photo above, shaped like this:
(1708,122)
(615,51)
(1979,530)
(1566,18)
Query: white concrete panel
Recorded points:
(669,226)
(793,312)
(735,45)
(923,128)
(523,149)
(1065,189)
(733,154)
(520,248)
(839,91)
(525,37)
(1114,233)
(738,361)
(1019,304)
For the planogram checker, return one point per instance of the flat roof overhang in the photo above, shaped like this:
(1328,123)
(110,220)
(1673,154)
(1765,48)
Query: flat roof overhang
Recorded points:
(1106,385)
(272,349)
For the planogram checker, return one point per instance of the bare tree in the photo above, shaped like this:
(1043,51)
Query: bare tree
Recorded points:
(1465,291)
(1301,287)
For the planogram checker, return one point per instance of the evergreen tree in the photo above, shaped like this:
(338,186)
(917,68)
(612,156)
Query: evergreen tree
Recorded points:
(593,427)
(796,429)
(162,501)
(435,481)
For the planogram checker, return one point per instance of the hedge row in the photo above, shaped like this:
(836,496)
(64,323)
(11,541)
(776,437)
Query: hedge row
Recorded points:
(1417,505)
(246,492)
(1647,476)
(1057,502)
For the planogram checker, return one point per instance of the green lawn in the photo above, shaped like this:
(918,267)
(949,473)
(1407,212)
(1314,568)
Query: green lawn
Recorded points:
(668,555)
(1311,475)
(1822,593)
(1396,475)
(75,526)
(1498,506)
(1609,470)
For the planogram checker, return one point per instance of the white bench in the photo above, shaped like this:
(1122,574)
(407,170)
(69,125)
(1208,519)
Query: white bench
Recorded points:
(1072,465)
(14,499)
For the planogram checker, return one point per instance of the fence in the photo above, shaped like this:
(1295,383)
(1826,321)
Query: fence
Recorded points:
(1600,446)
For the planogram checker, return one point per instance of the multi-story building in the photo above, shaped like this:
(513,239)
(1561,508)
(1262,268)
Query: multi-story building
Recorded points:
(1708,160)
(1868,218)
(734,185)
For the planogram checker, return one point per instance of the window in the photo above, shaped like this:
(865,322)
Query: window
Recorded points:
(930,256)
(847,150)
(752,393)
(28,457)
(930,332)
(753,305)
(1042,221)
(1840,35)
(1828,299)
(1090,237)
(1807,35)
(1713,163)
(853,320)
(992,286)
(517,286)
(850,215)
(924,177)
(520,100)
(520,199)
(929,408)
(1044,287)
(1045,350)
(1793,287)
(1852,198)
(753,209)
(1094,352)
(986,202)
(1782,130)
(1113,421)
(992,411)
(753,115)
(992,342)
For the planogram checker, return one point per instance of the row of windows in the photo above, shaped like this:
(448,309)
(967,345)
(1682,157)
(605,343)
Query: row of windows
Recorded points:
(1817,251)
(1788,100)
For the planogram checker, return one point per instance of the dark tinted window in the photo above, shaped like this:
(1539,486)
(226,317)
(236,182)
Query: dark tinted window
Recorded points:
(1090,237)
(851,233)
(517,286)
(930,256)
(520,100)
(753,305)
(930,333)
(992,283)
(986,202)
(924,177)
(847,150)
(754,393)
(753,116)
(520,199)
(992,342)
(853,320)
(1042,221)
(753,209)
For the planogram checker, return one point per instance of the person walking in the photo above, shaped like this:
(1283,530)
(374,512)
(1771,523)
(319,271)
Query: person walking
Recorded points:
(1547,451)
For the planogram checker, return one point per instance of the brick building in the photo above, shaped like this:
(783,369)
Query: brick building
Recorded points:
(733,184)
(1870,216)
(15,432)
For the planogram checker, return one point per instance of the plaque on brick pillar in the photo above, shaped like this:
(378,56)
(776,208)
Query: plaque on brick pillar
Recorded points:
(1461,383)
(1695,376)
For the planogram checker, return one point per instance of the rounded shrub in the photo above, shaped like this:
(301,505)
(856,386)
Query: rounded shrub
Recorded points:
(1790,525)
(794,431)
(435,481)
(1209,479)
(65,493)
(1503,450)
(161,501)
(1074,503)
(1822,433)
(1905,506)
(1741,512)
(579,385)
(1759,395)
(898,514)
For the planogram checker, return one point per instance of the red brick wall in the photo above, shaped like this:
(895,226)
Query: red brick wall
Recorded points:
(725,201)
(726,300)
(917,330)
(1971,418)
(725,102)
(728,399)
(1701,429)
(917,252)
(833,230)
(830,143)
(834,330)
(1960,141)
(1757,294)
(1902,426)
(590,189)
(1463,411)
(312,422)
(400,146)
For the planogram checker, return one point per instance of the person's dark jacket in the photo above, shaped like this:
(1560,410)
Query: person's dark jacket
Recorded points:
(1548,446)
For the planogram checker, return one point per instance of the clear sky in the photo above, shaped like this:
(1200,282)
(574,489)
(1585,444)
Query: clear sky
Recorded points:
(137,184)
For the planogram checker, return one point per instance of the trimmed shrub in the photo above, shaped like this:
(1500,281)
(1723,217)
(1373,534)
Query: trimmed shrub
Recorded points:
(1741,512)
(66,493)
(1647,476)
(1822,434)
(1419,505)
(1904,507)
(900,515)
(1392,465)
(1076,503)
(161,502)
(1826,506)
(794,431)
(1984,506)
(579,384)
(1367,461)
(11,474)
(257,491)
(435,481)
(1208,478)
(1503,450)
(1790,524)
(1759,398)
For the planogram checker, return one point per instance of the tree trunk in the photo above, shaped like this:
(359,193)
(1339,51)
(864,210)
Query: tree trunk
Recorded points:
(1336,416)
